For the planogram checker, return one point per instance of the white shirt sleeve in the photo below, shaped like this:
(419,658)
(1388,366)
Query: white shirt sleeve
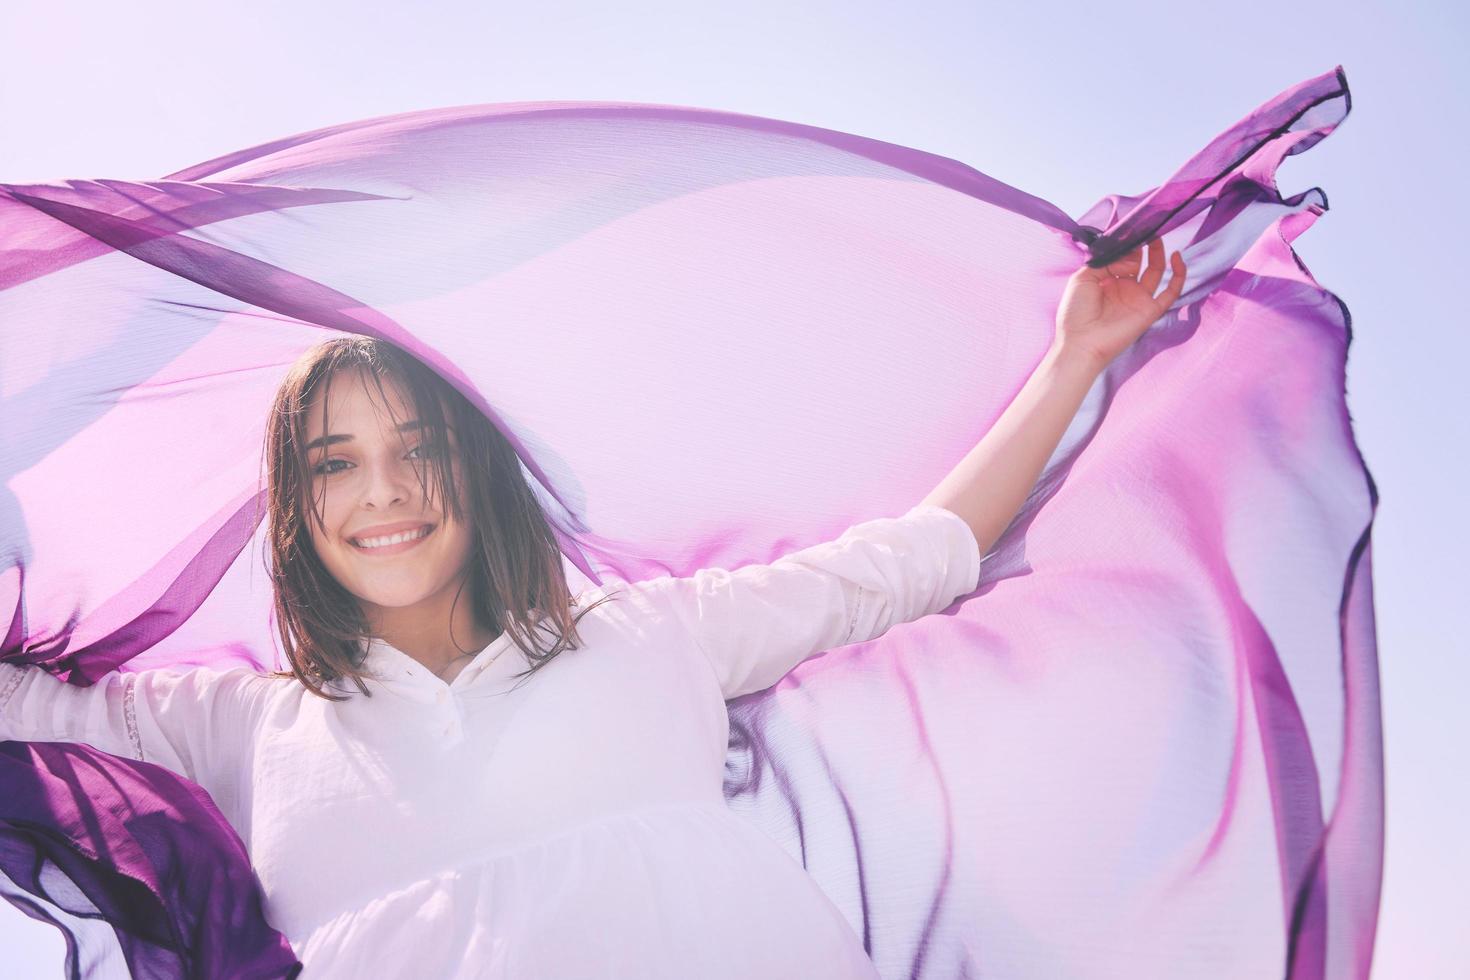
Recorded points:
(757,622)
(195,722)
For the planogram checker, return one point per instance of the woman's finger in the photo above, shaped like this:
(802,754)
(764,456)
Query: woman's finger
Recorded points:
(1176,283)
(1155,271)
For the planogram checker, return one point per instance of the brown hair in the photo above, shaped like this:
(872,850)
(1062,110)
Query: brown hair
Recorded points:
(515,564)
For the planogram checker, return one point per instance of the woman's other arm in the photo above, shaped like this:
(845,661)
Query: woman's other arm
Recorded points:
(193,722)
(1102,312)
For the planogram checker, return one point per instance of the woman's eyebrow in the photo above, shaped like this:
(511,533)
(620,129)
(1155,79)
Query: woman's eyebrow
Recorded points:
(348,437)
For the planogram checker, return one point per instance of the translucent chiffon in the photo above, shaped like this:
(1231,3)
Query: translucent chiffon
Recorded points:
(1148,744)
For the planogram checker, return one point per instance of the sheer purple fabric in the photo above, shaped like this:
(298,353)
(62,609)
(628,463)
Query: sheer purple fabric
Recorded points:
(1147,745)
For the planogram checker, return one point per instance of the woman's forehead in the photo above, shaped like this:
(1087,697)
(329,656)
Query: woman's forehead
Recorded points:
(351,398)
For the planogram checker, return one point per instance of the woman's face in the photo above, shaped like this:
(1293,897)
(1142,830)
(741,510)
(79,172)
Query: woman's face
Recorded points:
(380,537)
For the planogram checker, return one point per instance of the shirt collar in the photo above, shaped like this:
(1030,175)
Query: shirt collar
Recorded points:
(492,666)
(492,669)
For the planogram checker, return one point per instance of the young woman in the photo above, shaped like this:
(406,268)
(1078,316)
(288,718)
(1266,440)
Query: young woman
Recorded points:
(439,787)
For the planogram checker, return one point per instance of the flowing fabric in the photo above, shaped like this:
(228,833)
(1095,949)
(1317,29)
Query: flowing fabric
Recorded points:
(1147,745)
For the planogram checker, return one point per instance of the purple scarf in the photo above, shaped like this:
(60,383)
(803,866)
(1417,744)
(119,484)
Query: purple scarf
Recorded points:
(1148,743)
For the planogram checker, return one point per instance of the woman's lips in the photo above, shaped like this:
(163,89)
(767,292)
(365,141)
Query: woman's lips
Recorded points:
(393,549)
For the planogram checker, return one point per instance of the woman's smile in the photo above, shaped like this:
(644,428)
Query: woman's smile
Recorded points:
(390,539)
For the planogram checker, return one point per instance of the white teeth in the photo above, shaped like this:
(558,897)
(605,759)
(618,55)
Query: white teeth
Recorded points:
(398,538)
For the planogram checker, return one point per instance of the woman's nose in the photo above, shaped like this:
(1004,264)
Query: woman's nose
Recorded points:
(387,485)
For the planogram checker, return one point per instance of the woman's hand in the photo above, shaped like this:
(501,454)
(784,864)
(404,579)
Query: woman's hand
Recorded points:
(1103,311)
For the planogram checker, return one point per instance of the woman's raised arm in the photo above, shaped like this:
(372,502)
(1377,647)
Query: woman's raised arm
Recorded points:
(757,622)
(1102,312)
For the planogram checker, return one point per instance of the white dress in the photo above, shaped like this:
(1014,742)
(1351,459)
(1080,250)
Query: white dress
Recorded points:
(568,825)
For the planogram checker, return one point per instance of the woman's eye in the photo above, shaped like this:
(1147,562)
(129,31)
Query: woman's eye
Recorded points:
(325,467)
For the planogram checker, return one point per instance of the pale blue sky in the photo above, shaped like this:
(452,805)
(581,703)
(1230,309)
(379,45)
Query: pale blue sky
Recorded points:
(1069,102)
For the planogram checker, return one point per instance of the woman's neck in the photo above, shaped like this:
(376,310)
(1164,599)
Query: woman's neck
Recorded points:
(436,632)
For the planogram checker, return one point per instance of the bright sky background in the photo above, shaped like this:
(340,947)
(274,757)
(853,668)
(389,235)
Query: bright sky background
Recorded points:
(1069,102)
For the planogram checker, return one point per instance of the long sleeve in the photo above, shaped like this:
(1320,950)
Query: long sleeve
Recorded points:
(757,622)
(195,722)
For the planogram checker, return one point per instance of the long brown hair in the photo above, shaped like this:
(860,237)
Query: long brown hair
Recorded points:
(516,581)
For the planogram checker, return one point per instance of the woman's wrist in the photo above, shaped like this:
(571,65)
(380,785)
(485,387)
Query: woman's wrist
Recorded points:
(1071,359)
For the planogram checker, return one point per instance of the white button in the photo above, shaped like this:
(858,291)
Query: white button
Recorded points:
(441,695)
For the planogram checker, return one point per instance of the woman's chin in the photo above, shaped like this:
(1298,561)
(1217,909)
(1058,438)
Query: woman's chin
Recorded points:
(393,595)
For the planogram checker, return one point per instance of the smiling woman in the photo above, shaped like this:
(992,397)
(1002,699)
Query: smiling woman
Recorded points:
(378,529)
(588,804)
